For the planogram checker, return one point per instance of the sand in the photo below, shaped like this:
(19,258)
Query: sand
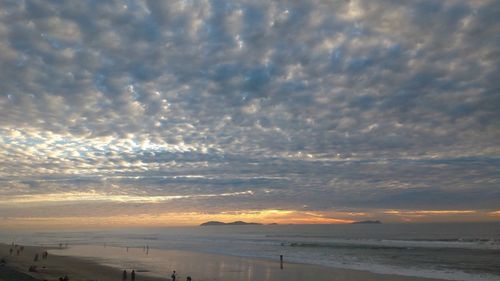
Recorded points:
(16,268)
(202,267)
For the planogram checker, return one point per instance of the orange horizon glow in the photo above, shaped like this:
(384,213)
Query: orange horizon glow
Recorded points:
(177,219)
(268,216)
(429,212)
(494,213)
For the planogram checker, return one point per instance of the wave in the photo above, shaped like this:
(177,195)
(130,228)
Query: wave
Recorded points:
(459,243)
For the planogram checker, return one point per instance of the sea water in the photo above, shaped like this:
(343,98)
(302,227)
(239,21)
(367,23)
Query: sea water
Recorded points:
(453,251)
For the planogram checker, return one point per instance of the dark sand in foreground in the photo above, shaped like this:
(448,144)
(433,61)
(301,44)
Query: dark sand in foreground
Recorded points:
(78,269)
(55,267)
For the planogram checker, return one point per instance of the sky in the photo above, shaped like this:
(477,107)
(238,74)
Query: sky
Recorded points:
(155,113)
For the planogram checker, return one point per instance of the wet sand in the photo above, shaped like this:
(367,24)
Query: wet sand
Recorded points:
(202,267)
(50,269)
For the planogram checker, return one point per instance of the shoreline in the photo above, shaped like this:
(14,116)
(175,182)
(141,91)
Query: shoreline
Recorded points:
(201,266)
(55,266)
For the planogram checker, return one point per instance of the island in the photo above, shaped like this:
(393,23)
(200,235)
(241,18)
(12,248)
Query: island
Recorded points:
(367,222)
(229,223)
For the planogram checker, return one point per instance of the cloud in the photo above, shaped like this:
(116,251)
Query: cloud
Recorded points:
(343,104)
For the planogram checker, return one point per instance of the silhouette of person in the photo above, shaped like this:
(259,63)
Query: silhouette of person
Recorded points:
(188,278)
(132,275)
(173,275)
(124,276)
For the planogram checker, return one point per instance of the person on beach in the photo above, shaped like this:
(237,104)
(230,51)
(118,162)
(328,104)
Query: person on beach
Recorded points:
(188,278)
(173,275)
(132,275)
(124,276)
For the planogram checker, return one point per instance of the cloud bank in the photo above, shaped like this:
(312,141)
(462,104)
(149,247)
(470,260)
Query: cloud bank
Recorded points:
(323,106)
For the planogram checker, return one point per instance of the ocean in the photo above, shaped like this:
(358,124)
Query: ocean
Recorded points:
(452,251)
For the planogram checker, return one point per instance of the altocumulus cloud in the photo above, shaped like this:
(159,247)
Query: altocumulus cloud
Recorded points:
(241,105)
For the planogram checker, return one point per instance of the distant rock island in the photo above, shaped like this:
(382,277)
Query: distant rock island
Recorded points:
(229,223)
(367,222)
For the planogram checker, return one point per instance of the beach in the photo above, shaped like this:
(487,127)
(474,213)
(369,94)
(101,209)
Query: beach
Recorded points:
(16,267)
(199,266)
